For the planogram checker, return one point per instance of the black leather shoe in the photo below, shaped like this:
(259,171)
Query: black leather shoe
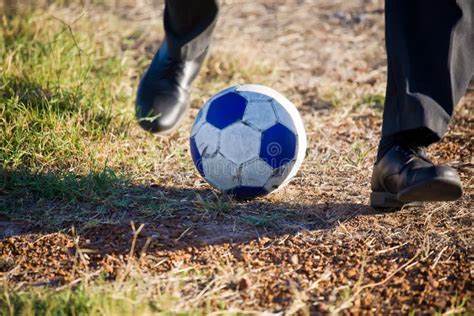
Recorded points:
(163,93)
(404,175)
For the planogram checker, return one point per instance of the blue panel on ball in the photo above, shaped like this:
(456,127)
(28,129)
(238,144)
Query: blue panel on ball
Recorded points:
(196,156)
(278,146)
(246,192)
(226,109)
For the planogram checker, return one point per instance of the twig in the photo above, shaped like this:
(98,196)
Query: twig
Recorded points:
(390,249)
(438,257)
(183,233)
(76,281)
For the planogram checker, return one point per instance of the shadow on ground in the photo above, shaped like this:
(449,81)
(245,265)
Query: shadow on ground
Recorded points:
(102,205)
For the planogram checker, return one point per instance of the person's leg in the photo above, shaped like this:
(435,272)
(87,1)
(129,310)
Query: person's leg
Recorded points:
(163,93)
(430,55)
(189,25)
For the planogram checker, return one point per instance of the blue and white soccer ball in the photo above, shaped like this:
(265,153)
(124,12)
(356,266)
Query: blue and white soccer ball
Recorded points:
(248,141)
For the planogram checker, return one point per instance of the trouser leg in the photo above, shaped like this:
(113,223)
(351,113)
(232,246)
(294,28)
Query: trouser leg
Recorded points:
(189,25)
(430,56)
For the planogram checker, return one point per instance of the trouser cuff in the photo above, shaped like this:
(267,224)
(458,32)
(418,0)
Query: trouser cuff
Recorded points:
(411,138)
(416,112)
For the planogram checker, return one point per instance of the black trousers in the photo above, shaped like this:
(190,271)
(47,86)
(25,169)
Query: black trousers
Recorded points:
(430,56)
(189,25)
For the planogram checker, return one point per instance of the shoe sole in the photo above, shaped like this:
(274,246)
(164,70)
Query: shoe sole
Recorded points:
(178,123)
(175,126)
(437,189)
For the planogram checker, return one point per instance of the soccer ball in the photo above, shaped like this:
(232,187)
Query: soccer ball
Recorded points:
(248,141)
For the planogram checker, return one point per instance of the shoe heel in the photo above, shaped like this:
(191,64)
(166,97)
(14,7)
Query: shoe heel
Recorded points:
(385,200)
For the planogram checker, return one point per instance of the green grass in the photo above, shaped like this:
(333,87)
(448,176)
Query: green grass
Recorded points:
(360,151)
(66,104)
(56,93)
(66,115)
(60,98)
(55,200)
(130,294)
(374,101)
(216,205)
(72,155)
(62,187)
(92,300)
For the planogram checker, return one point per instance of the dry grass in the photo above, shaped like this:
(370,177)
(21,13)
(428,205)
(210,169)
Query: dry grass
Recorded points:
(314,247)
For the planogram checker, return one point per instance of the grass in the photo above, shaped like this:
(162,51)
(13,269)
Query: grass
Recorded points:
(66,187)
(374,101)
(131,294)
(56,93)
(100,299)
(218,205)
(65,115)
(62,91)
(268,219)
(77,169)
(59,93)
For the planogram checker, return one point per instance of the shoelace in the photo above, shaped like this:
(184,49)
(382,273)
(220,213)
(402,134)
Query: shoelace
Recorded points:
(418,151)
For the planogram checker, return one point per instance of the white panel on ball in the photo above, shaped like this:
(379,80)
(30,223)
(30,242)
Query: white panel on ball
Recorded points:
(252,96)
(260,114)
(200,120)
(221,172)
(255,173)
(240,143)
(284,117)
(207,140)
(280,177)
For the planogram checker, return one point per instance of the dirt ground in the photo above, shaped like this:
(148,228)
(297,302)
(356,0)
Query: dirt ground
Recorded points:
(314,247)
